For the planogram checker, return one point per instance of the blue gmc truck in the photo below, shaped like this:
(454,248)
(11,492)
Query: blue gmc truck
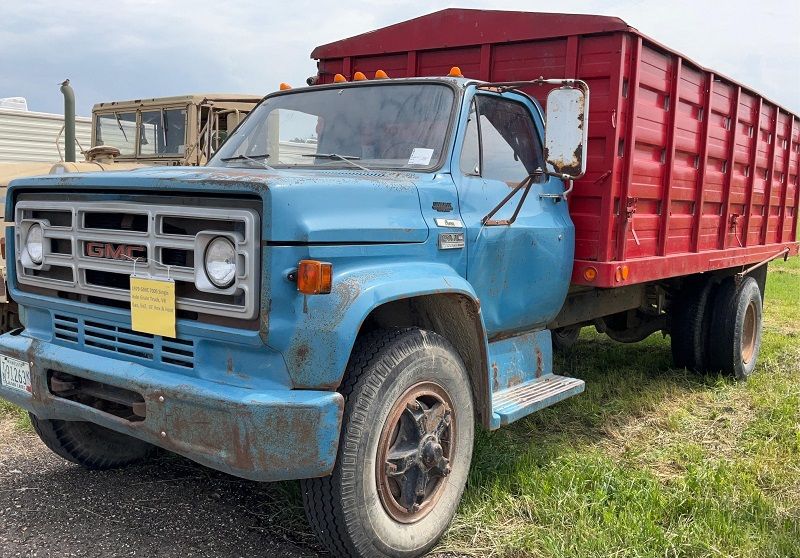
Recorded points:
(307,306)
(363,274)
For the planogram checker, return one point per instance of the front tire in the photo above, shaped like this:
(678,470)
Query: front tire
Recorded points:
(90,445)
(405,449)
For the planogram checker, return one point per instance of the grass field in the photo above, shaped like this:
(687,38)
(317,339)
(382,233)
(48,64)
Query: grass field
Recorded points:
(649,461)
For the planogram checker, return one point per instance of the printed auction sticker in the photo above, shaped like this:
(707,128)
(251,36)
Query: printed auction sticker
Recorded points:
(153,306)
(420,156)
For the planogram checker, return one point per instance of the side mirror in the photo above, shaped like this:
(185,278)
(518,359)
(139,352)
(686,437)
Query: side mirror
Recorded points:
(567,131)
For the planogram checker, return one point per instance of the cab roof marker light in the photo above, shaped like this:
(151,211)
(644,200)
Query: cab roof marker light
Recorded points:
(339,78)
(455,71)
(359,76)
(284,86)
(380,74)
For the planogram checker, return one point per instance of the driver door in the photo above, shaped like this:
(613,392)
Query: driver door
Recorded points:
(519,271)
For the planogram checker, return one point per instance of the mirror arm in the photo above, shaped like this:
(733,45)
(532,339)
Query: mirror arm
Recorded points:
(526,183)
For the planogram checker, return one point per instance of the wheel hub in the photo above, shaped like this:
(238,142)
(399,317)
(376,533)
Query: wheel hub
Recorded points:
(414,452)
(749,334)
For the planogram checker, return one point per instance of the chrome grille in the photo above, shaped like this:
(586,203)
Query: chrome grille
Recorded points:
(108,337)
(89,247)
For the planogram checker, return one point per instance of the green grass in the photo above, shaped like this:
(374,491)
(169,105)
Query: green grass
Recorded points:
(649,461)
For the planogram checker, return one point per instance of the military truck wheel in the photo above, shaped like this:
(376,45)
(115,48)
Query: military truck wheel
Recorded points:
(690,321)
(735,336)
(405,449)
(90,445)
(564,338)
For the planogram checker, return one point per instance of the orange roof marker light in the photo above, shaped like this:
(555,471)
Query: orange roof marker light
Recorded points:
(380,74)
(359,76)
(284,86)
(455,71)
(339,78)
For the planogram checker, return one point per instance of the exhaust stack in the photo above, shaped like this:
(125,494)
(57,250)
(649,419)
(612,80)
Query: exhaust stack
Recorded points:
(69,121)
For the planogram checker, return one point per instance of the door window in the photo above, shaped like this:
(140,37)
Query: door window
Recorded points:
(500,142)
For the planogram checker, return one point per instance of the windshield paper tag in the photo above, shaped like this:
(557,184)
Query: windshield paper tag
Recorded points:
(153,306)
(420,156)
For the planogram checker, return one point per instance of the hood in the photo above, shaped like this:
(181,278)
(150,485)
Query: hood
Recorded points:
(300,206)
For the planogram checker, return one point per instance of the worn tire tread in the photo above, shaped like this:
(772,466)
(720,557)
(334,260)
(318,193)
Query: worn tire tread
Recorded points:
(320,493)
(63,439)
(690,327)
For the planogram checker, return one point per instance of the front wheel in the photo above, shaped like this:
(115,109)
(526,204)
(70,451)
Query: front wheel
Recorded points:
(405,449)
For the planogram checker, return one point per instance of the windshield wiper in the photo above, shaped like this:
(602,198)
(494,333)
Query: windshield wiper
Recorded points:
(252,158)
(121,129)
(346,158)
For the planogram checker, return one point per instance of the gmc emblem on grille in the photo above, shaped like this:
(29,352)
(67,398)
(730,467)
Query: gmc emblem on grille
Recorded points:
(111,251)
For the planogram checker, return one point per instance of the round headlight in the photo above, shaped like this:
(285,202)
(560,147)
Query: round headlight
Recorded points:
(220,262)
(33,243)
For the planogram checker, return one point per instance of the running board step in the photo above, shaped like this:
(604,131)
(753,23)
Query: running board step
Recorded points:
(523,399)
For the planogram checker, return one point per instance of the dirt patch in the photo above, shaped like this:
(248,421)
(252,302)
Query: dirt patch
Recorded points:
(167,507)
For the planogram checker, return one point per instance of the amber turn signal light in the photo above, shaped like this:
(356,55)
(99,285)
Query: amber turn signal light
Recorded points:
(590,274)
(314,277)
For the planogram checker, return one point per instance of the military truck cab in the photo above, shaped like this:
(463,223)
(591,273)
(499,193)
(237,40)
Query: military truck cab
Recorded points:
(182,130)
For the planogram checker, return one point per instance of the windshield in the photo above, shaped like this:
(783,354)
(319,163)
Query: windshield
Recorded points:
(163,132)
(400,126)
(117,129)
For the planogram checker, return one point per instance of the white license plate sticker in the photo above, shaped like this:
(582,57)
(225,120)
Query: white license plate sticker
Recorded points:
(15,373)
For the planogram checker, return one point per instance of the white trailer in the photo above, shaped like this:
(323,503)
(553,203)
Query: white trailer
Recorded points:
(30,137)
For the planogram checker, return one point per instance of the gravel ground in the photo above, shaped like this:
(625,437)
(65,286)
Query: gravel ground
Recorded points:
(167,507)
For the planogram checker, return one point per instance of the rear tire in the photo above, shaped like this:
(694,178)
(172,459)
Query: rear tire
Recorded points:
(408,416)
(90,445)
(690,325)
(735,336)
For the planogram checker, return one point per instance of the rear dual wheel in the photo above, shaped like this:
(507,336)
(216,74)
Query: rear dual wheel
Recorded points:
(405,449)
(718,327)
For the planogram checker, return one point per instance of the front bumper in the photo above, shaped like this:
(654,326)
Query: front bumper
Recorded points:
(262,435)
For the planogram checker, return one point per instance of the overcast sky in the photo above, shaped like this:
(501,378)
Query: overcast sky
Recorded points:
(147,48)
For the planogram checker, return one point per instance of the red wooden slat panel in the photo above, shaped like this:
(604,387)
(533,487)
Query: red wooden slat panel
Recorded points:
(702,175)
(787,155)
(672,103)
(733,122)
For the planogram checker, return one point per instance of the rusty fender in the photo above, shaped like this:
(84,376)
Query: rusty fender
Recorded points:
(318,344)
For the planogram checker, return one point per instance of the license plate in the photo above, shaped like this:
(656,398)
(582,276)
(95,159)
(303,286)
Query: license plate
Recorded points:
(15,373)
